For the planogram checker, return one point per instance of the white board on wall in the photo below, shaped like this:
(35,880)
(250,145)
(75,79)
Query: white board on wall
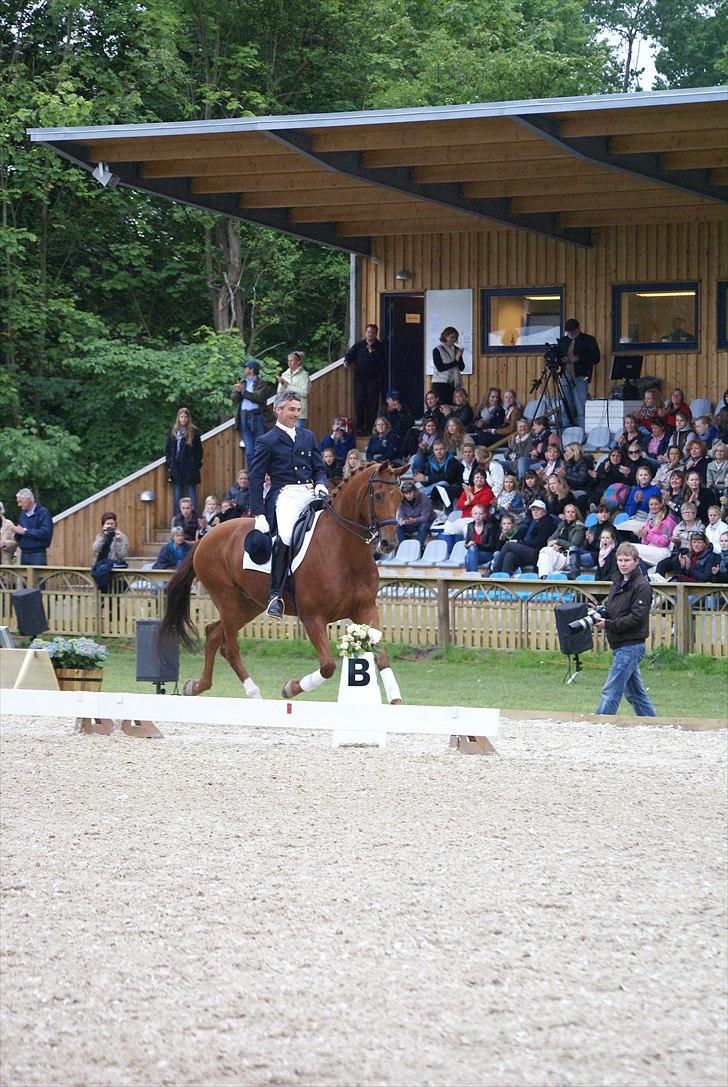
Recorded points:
(443,308)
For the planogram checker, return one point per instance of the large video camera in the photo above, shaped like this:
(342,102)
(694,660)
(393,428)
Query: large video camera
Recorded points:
(552,358)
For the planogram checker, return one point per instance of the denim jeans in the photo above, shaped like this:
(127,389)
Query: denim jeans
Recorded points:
(252,429)
(413,532)
(575,390)
(183,490)
(624,679)
(475,557)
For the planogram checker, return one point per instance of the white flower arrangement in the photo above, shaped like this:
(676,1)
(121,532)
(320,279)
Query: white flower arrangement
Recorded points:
(359,638)
(73,652)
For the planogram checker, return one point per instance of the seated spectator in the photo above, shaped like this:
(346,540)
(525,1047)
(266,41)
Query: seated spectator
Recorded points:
(715,528)
(8,543)
(531,488)
(400,420)
(427,438)
(333,466)
(686,527)
(606,557)
(639,497)
(489,416)
(510,500)
(655,535)
(557,497)
(683,432)
(462,410)
(186,519)
(503,533)
(453,436)
(442,478)
(518,453)
(631,433)
(702,497)
(229,511)
(719,569)
(531,536)
(493,470)
(118,549)
(676,404)
(382,445)
(552,465)
(706,431)
(414,515)
(585,557)
(635,460)
(649,409)
(694,564)
(478,493)
(481,539)
(353,461)
(674,491)
(658,443)
(466,454)
(340,439)
(577,466)
(210,516)
(718,469)
(238,493)
(609,471)
(569,533)
(432,411)
(697,458)
(512,413)
(669,463)
(173,552)
(720,416)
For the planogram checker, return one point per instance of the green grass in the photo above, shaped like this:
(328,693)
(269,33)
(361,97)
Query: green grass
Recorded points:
(683,686)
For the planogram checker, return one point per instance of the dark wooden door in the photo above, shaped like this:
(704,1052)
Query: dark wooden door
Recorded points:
(403,333)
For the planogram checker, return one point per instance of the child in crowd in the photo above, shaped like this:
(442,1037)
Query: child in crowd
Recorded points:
(706,430)
(655,535)
(229,511)
(719,569)
(715,528)
(186,520)
(683,432)
(210,516)
(637,505)
(332,464)
(506,532)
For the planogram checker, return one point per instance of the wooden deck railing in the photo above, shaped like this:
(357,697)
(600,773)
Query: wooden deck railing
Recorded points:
(421,611)
(75,528)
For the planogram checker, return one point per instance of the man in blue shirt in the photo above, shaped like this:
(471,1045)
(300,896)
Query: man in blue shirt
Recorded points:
(250,395)
(292,459)
(34,530)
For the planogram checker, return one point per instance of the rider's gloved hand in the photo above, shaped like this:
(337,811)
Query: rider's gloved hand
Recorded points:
(320,491)
(261,523)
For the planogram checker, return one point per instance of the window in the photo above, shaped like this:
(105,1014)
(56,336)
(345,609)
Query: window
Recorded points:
(723,313)
(656,316)
(521,319)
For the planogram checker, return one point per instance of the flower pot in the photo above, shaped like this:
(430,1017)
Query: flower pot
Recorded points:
(79,679)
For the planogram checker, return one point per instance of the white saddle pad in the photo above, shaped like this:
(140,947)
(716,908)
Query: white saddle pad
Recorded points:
(248,563)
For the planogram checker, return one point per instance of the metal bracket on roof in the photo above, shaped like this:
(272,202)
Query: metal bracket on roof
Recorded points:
(447,194)
(179,190)
(642,165)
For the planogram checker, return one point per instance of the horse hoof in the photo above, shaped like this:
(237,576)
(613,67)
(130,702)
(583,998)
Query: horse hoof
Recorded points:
(291,688)
(188,687)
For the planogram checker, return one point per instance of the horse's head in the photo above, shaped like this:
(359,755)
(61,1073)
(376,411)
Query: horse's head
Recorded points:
(373,499)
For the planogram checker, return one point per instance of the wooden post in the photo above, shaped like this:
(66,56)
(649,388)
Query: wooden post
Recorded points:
(443,613)
(683,619)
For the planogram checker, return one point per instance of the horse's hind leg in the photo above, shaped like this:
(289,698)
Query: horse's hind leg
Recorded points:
(231,650)
(318,635)
(214,634)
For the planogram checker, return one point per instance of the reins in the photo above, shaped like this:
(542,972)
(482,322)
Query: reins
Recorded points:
(367,534)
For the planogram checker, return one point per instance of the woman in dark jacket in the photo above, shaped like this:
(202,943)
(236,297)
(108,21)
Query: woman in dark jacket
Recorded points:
(702,497)
(577,466)
(183,458)
(531,537)
(605,474)
(606,557)
(171,555)
(383,444)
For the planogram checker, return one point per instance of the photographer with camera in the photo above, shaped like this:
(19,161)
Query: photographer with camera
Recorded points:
(625,620)
(579,354)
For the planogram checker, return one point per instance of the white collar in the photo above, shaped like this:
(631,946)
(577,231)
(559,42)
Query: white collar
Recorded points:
(290,431)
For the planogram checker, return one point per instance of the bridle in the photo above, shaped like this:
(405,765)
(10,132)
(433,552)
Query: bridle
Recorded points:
(366,533)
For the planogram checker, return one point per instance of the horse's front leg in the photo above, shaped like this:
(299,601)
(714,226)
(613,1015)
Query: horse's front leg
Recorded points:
(391,687)
(318,636)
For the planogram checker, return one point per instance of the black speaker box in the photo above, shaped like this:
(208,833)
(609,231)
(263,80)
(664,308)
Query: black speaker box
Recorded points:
(30,613)
(157,659)
(572,642)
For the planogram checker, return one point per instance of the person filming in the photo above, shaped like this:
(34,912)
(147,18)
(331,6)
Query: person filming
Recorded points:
(626,623)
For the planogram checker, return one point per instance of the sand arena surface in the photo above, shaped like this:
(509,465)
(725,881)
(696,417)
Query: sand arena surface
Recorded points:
(223,908)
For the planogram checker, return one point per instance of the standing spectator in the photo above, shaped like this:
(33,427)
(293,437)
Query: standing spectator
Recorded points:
(183,457)
(110,533)
(238,493)
(173,552)
(368,358)
(400,420)
(447,359)
(186,519)
(531,536)
(415,514)
(627,624)
(249,396)
(296,378)
(580,354)
(382,445)
(8,543)
(34,530)
(340,440)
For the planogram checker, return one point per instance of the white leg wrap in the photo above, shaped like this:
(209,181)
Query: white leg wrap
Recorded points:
(251,688)
(391,687)
(312,681)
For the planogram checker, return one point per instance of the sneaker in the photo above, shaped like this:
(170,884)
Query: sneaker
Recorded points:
(275,608)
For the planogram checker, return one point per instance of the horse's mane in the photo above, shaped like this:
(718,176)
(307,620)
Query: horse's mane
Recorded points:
(358,471)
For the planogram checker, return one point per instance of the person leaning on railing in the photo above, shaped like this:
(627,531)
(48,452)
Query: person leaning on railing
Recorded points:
(110,533)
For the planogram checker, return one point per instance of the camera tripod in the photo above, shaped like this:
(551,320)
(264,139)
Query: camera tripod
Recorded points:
(556,404)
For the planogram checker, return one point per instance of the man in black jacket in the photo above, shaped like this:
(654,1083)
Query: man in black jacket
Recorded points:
(531,537)
(580,354)
(627,625)
(34,530)
(250,395)
(369,361)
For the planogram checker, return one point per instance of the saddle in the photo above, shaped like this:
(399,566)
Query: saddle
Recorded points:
(300,539)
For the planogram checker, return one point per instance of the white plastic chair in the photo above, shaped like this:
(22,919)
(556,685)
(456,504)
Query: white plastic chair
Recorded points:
(435,552)
(572,434)
(598,438)
(457,557)
(406,553)
(530,409)
(701,406)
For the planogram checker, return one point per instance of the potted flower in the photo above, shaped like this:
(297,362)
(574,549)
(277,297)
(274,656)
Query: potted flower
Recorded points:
(77,662)
(358,640)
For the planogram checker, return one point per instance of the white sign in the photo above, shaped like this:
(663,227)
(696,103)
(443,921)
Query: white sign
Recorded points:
(443,308)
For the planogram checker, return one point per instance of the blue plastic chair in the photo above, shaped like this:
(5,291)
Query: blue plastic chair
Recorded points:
(590,520)
(620,519)
(557,575)
(586,577)
(499,575)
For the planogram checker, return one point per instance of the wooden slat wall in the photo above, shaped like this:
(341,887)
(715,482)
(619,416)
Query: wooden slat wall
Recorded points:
(683,251)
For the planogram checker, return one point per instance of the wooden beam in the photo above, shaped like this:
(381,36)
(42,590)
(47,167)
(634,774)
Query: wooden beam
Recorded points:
(642,216)
(694,160)
(436,156)
(384,210)
(557,168)
(658,198)
(385,228)
(604,181)
(320,197)
(419,134)
(719,177)
(614,122)
(233,166)
(669,141)
(261,184)
(148,149)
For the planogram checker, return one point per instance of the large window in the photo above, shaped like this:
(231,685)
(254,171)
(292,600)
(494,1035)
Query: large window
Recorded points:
(655,316)
(521,319)
(723,313)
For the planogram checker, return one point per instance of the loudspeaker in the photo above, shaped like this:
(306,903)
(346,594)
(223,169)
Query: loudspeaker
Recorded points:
(572,642)
(157,659)
(30,613)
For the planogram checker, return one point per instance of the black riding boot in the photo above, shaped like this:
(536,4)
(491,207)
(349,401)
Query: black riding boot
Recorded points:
(278,567)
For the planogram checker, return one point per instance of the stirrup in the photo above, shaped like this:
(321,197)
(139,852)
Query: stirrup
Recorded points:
(275,607)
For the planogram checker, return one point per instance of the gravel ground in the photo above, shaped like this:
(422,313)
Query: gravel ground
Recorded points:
(222,907)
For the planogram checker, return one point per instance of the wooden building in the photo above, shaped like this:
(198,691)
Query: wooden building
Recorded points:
(610,209)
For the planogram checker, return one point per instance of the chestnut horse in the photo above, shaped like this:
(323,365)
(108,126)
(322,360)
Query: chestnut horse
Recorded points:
(338,579)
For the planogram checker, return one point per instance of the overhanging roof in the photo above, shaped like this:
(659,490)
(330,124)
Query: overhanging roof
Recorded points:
(557,166)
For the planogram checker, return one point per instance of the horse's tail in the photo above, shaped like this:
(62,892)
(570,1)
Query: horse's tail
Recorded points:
(176,622)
